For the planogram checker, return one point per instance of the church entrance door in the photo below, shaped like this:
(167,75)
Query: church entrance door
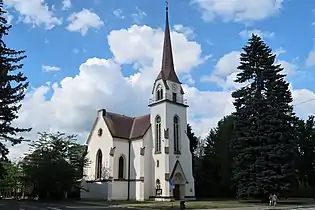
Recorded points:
(176,192)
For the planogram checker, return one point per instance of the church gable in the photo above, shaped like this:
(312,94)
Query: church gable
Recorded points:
(178,169)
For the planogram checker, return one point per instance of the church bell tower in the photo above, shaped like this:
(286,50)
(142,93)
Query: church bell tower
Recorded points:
(172,173)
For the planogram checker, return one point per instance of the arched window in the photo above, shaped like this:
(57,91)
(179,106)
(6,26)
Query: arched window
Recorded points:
(98,172)
(158,190)
(158,184)
(158,134)
(159,93)
(176,134)
(121,167)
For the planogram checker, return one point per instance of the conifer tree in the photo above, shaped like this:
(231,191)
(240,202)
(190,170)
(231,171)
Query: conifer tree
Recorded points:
(13,85)
(264,146)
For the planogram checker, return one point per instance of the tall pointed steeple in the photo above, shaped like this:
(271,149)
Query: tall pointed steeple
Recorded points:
(167,72)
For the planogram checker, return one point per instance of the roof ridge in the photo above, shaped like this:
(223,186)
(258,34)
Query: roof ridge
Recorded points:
(142,116)
(122,115)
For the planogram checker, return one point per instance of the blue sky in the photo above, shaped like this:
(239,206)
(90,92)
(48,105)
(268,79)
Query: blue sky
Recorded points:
(85,55)
(292,27)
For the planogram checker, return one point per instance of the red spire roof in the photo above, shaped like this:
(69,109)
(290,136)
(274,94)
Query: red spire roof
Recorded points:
(167,72)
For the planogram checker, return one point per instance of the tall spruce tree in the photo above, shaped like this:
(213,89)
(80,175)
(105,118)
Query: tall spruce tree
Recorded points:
(12,89)
(264,146)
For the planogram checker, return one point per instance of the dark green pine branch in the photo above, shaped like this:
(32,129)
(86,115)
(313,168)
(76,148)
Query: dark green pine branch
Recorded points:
(263,147)
(13,85)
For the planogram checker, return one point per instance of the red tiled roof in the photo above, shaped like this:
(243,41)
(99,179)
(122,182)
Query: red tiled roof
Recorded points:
(121,126)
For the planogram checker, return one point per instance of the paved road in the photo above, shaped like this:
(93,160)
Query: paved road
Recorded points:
(33,205)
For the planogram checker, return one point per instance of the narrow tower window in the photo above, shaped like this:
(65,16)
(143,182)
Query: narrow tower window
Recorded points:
(159,93)
(99,156)
(158,134)
(174,97)
(176,134)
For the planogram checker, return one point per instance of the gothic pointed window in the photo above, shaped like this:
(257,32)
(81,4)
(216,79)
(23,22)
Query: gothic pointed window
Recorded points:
(158,190)
(158,184)
(98,172)
(121,167)
(176,134)
(159,93)
(158,134)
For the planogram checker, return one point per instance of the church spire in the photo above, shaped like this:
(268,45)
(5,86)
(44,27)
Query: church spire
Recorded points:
(167,70)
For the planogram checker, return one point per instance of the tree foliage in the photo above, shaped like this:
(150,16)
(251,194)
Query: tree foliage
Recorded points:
(214,167)
(264,145)
(10,180)
(193,143)
(306,156)
(55,164)
(12,89)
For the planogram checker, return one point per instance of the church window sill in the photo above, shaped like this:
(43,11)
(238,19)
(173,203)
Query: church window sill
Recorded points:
(157,152)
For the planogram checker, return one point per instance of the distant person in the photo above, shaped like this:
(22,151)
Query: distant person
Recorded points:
(274,199)
(270,200)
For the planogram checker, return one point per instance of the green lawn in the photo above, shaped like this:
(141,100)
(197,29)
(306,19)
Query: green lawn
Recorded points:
(201,204)
(189,204)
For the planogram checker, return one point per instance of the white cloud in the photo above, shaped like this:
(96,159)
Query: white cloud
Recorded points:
(279,51)
(189,32)
(118,13)
(66,4)
(138,15)
(310,61)
(142,45)
(8,17)
(238,10)
(288,68)
(50,68)
(225,71)
(304,102)
(263,34)
(35,12)
(84,20)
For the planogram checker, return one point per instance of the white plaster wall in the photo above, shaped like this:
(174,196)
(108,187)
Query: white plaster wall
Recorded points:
(120,187)
(135,158)
(136,191)
(94,190)
(159,172)
(185,158)
(119,190)
(122,149)
(149,165)
(104,143)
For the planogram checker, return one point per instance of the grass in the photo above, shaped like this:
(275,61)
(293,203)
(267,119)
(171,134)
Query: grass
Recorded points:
(201,204)
(189,204)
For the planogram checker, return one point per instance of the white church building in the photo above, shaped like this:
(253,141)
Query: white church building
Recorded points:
(136,158)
